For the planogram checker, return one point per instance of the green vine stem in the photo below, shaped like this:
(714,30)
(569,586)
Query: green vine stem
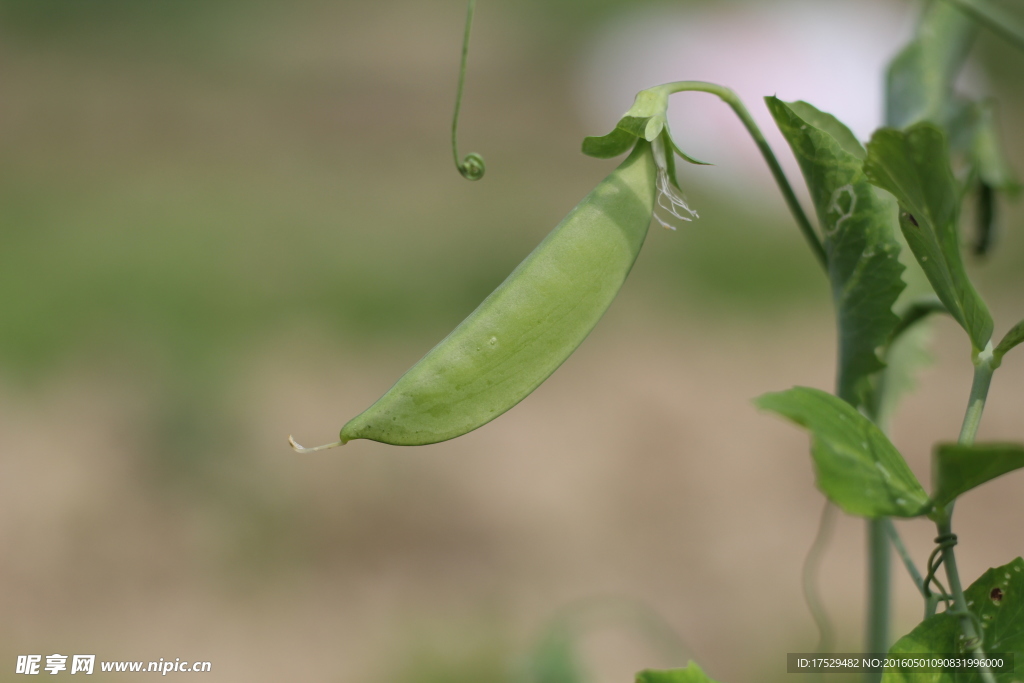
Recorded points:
(959,608)
(879,554)
(733,100)
(983,369)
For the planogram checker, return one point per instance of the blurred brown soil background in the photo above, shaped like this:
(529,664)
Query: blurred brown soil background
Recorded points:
(223,223)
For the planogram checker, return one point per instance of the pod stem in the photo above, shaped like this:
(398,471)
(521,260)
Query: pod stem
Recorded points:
(298,448)
(733,100)
(472,167)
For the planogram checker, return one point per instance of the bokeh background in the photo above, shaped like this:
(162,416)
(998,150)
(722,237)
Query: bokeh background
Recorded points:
(222,222)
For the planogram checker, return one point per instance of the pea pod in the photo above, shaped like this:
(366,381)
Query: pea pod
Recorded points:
(526,327)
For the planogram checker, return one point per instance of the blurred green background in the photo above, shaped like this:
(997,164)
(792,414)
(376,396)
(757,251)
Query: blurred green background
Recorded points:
(224,221)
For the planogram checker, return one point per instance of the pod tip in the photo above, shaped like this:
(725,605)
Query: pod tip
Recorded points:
(298,448)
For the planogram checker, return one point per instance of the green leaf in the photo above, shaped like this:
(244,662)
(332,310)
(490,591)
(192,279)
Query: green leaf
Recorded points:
(646,127)
(913,165)
(670,159)
(691,674)
(919,81)
(607,146)
(824,122)
(959,469)
(907,353)
(862,252)
(997,599)
(857,466)
(1013,337)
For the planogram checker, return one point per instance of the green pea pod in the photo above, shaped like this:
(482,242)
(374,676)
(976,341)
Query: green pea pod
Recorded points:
(526,327)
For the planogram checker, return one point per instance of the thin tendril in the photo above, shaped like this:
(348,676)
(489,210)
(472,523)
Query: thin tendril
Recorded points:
(472,167)
(812,563)
(934,562)
(901,550)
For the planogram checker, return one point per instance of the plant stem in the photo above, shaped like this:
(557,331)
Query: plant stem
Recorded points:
(972,419)
(733,100)
(959,607)
(979,393)
(878,590)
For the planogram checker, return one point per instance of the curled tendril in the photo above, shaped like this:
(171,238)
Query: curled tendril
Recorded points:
(472,167)
(934,562)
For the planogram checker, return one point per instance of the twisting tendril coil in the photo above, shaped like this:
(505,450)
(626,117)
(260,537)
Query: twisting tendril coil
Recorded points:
(472,167)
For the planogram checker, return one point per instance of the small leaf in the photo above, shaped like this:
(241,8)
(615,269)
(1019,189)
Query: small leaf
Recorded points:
(642,126)
(857,225)
(959,469)
(691,674)
(857,466)
(607,146)
(1013,337)
(670,159)
(997,599)
(914,166)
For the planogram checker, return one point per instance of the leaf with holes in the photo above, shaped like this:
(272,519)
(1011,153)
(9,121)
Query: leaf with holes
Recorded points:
(857,228)
(914,166)
(857,466)
(997,599)
(959,469)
